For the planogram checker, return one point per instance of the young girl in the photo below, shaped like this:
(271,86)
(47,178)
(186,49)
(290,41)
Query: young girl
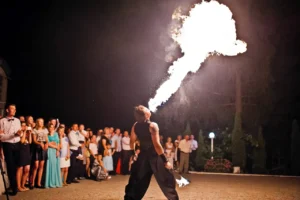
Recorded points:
(40,140)
(108,159)
(169,148)
(64,155)
(24,166)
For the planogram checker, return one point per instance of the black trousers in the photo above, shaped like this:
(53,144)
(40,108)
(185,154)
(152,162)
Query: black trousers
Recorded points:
(12,156)
(116,157)
(142,170)
(75,166)
(125,161)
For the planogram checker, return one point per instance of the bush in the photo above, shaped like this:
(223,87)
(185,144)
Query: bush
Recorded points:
(218,165)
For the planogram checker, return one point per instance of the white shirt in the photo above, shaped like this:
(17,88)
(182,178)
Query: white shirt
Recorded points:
(74,140)
(93,147)
(194,145)
(117,139)
(10,127)
(126,143)
(185,146)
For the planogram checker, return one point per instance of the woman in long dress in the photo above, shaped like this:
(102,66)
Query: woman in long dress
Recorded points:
(53,176)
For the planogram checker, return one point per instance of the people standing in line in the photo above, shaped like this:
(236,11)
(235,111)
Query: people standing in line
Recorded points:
(10,131)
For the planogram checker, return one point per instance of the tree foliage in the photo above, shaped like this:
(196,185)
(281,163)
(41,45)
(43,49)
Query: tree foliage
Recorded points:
(259,154)
(200,157)
(238,145)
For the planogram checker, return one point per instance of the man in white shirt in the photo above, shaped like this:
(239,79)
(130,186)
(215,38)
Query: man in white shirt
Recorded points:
(194,147)
(74,148)
(116,144)
(126,153)
(10,130)
(185,149)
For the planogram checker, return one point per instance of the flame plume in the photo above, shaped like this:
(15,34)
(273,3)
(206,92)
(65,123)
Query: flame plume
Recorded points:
(209,29)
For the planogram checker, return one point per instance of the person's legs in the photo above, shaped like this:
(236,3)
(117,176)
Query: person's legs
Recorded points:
(25,176)
(9,154)
(40,173)
(73,168)
(139,180)
(186,162)
(181,163)
(164,178)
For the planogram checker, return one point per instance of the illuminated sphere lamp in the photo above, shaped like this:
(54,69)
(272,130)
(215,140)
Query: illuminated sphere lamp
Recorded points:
(211,135)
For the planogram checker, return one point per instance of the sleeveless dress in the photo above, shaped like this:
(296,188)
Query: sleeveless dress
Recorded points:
(53,176)
(108,161)
(170,154)
(64,152)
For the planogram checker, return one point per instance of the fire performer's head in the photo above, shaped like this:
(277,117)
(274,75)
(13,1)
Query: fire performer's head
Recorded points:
(141,113)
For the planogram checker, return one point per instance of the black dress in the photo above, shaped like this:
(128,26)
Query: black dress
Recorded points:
(100,145)
(25,155)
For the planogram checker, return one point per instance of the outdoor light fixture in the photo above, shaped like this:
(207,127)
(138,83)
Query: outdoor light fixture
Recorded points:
(211,136)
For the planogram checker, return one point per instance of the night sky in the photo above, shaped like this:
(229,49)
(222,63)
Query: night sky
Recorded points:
(92,63)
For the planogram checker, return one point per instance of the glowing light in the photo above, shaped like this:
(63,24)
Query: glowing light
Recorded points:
(209,29)
(211,135)
(182,182)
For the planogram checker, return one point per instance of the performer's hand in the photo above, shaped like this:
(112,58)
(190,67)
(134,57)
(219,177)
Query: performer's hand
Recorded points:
(168,165)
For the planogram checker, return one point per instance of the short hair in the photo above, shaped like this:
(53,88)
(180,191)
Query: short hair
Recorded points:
(10,104)
(141,113)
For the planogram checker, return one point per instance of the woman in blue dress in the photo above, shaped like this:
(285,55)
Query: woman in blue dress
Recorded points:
(53,174)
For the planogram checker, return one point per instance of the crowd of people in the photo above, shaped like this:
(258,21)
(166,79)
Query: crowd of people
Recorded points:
(41,154)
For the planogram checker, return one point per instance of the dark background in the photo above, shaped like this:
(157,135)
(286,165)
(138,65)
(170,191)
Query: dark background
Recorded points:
(92,62)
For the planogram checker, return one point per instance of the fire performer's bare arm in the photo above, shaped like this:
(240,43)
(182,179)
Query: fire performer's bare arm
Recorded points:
(132,136)
(154,130)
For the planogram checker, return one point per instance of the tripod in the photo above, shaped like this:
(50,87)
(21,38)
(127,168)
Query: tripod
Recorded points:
(4,182)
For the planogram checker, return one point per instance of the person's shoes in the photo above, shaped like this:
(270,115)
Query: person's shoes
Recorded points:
(69,182)
(74,181)
(188,173)
(13,193)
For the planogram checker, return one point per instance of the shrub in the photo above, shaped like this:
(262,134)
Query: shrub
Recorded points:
(218,165)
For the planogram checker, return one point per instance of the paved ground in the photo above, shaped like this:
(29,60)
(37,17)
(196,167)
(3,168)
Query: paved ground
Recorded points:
(206,187)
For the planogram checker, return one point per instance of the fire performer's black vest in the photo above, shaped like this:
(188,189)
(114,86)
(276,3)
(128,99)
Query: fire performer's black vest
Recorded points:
(144,136)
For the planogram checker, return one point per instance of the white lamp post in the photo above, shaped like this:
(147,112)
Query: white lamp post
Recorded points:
(212,136)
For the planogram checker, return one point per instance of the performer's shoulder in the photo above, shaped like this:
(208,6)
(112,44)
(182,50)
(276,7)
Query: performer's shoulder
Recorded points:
(153,125)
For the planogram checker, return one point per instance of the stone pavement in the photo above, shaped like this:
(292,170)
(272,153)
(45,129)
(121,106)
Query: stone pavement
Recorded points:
(202,187)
